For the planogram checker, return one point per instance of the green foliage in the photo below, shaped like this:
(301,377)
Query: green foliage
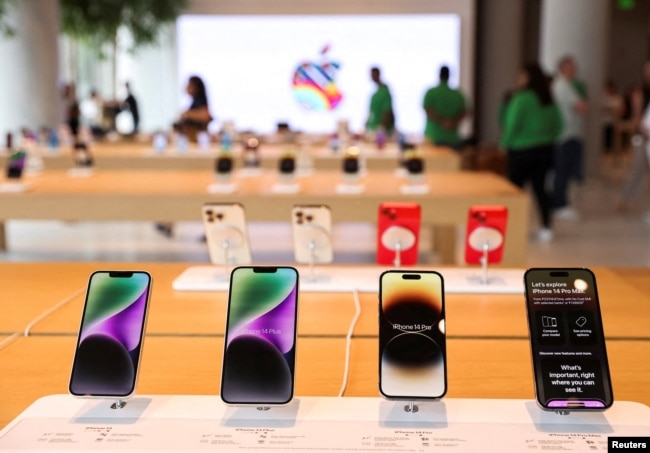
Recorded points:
(6,30)
(98,21)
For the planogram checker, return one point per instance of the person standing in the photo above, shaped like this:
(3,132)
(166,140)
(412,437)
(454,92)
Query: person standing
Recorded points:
(92,112)
(531,125)
(570,95)
(445,108)
(381,115)
(72,110)
(639,117)
(197,116)
(132,105)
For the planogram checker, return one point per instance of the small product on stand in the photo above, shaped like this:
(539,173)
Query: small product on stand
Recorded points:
(252,153)
(259,357)
(109,344)
(414,163)
(485,238)
(160,142)
(412,337)
(223,166)
(351,165)
(398,232)
(312,235)
(225,232)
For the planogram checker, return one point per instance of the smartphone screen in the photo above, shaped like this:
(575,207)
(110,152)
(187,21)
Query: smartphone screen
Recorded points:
(412,345)
(260,345)
(567,340)
(16,164)
(110,337)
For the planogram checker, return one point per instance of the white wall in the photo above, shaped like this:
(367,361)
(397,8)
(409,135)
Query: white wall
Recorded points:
(29,67)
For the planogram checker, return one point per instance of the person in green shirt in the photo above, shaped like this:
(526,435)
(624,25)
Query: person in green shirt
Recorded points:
(381,106)
(532,124)
(445,108)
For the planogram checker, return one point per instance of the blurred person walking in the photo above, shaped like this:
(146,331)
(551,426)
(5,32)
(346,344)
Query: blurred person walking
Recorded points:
(531,125)
(570,95)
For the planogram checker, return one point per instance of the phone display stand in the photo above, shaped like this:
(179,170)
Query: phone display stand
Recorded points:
(400,172)
(175,423)
(398,239)
(345,278)
(34,165)
(350,188)
(313,238)
(223,186)
(414,188)
(118,404)
(229,238)
(304,164)
(81,172)
(249,172)
(13,187)
(286,184)
(411,407)
(485,239)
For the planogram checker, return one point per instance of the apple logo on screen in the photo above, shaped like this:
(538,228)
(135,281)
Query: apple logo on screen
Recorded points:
(314,83)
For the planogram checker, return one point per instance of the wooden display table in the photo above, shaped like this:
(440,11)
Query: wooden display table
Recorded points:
(142,156)
(487,344)
(32,289)
(179,195)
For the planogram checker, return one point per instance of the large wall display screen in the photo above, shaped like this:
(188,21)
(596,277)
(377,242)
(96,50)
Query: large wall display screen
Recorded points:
(312,71)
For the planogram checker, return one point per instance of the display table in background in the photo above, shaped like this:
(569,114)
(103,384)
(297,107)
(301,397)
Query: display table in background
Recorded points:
(203,423)
(142,156)
(179,195)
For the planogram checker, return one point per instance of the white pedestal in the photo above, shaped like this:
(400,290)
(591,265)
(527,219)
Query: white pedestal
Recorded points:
(414,189)
(285,187)
(223,187)
(81,172)
(350,189)
(363,279)
(203,423)
(249,172)
(13,187)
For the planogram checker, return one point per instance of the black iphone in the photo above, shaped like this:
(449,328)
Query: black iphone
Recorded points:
(412,343)
(567,340)
(260,345)
(109,345)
